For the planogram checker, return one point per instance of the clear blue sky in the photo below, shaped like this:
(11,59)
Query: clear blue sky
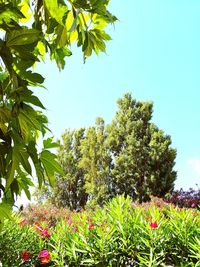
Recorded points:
(155,54)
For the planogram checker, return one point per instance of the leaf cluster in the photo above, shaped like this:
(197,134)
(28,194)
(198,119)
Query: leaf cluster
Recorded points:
(30,30)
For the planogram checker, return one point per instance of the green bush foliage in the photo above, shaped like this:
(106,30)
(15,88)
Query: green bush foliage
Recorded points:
(120,234)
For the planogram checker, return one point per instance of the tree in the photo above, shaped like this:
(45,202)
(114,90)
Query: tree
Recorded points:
(30,30)
(130,156)
(142,157)
(70,187)
(96,163)
(85,159)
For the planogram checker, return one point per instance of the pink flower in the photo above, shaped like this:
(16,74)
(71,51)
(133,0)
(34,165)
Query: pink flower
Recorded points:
(44,257)
(193,205)
(75,229)
(154,225)
(45,232)
(69,222)
(25,255)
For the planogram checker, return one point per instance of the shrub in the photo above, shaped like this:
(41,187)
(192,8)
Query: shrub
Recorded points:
(118,235)
(44,213)
(187,199)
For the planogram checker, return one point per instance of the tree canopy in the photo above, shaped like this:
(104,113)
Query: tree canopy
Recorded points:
(130,156)
(29,31)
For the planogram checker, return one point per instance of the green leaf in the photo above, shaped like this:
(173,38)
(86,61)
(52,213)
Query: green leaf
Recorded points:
(48,143)
(12,167)
(32,77)
(22,37)
(51,166)
(5,115)
(8,13)
(24,126)
(3,76)
(27,96)
(62,36)
(59,55)
(40,173)
(23,158)
(5,211)
(31,148)
(57,11)
(24,182)
(29,116)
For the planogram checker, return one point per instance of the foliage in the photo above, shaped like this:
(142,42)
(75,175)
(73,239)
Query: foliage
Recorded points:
(187,199)
(96,163)
(131,155)
(143,159)
(45,213)
(120,234)
(29,31)
(69,190)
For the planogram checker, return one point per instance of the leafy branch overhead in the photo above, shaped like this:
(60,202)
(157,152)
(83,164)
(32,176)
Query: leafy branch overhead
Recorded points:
(29,31)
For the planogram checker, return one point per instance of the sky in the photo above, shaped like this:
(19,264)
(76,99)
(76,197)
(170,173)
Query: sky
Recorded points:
(155,55)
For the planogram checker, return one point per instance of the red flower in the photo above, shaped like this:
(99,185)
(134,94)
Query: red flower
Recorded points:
(45,232)
(91,226)
(44,257)
(25,255)
(154,225)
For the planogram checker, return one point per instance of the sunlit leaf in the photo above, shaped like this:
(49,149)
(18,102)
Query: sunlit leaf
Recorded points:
(57,11)
(48,143)
(50,164)
(28,97)
(8,13)
(26,11)
(5,211)
(22,37)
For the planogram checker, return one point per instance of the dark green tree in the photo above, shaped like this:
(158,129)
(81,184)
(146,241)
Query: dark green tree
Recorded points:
(143,159)
(29,31)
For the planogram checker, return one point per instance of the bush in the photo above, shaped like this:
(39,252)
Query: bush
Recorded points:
(119,235)
(187,199)
(44,213)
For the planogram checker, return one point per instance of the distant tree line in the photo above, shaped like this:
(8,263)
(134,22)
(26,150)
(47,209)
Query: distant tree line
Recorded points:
(130,156)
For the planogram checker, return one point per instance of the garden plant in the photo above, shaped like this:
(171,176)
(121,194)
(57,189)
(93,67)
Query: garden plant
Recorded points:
(120,234)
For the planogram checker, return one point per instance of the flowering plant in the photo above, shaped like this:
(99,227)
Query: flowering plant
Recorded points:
(43,259)
(187,199)
(122,233)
